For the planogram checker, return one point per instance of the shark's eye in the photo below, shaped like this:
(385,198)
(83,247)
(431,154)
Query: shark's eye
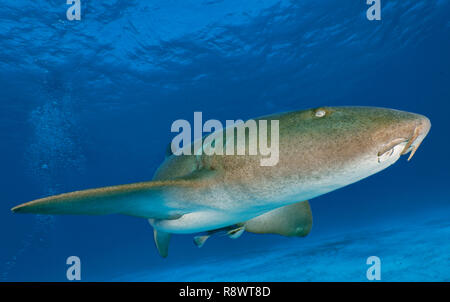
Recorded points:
(320,113)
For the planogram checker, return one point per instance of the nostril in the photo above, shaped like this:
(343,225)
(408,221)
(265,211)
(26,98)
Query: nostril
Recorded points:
(411,140)
(421,130)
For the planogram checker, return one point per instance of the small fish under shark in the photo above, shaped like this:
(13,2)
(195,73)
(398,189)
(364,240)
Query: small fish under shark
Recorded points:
(320,150)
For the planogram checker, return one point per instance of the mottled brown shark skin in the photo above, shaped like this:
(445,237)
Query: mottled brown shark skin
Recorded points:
(320,150)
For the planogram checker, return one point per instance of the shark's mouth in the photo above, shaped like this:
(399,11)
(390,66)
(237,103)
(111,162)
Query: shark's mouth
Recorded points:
(412,144)
(389,149)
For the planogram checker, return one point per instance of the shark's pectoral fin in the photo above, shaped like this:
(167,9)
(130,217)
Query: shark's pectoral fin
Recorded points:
(291,220)
(162,240)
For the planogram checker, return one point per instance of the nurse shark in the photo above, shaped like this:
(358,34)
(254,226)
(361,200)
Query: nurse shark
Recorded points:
(320,150)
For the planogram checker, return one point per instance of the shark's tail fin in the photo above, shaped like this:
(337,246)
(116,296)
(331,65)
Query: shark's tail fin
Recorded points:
(145,199)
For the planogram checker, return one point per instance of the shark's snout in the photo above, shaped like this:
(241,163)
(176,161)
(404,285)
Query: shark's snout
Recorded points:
(421,129)
(399,133)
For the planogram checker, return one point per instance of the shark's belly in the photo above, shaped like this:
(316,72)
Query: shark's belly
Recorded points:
(225,205)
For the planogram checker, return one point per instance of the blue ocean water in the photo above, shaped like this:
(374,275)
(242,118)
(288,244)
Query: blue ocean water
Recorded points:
(90,103)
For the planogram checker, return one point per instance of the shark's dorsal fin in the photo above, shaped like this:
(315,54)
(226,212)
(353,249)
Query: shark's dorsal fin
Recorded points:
(291,220)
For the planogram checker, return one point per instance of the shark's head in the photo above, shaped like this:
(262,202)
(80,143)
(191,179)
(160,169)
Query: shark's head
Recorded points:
(336,146)
(386,133)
